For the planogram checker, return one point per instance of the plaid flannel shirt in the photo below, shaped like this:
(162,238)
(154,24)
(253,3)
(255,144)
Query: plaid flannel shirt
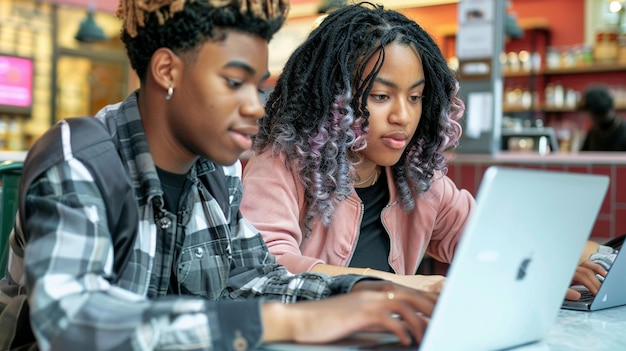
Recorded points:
(222,266)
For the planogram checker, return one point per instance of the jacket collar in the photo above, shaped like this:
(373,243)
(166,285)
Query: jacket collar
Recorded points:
(124,123)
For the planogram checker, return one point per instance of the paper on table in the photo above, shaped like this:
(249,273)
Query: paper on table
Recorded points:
(479,114)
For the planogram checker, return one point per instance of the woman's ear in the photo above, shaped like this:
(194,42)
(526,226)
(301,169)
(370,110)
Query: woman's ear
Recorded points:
(165,68)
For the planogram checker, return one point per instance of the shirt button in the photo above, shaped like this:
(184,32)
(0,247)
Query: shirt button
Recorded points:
(198,252)
(240,343)
(165,223)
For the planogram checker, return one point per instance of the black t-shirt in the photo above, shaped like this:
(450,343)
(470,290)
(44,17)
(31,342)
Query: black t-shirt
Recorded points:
(173,185)
(372,249)
(610,137)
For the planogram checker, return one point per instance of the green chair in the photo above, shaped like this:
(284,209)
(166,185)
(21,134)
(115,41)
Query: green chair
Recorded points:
(10,172)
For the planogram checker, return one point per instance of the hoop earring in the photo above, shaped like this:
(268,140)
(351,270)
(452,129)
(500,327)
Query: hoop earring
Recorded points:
(170,92)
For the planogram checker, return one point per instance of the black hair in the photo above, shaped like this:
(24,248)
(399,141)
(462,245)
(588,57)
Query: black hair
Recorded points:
(183,31)
(598,101)
(317,114)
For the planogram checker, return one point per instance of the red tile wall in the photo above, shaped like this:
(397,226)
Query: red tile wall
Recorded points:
(611,221)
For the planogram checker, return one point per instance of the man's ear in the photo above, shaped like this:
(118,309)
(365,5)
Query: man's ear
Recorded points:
(165,68)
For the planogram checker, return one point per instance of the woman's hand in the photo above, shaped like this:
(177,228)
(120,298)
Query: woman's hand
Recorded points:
(431,283)
(371,306)
(586,275)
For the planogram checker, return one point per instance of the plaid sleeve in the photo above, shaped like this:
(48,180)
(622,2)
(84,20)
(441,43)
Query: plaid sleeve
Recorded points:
(255,272)
(68,262)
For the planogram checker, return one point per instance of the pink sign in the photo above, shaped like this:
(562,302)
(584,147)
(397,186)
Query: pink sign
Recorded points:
(16,81)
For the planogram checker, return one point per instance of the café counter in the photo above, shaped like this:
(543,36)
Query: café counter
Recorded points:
(467,171)
(603,330)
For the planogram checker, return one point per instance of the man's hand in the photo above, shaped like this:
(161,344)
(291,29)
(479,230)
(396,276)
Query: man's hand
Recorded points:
(371,306)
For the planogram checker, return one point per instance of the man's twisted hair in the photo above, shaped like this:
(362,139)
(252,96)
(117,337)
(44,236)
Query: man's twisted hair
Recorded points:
(317,115)
(182,25)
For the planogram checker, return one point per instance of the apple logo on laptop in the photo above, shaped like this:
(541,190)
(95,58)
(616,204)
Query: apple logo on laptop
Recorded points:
(605,297)
(521,271)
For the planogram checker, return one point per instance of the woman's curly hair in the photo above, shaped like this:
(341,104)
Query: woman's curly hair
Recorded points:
(182,25)
(317,114)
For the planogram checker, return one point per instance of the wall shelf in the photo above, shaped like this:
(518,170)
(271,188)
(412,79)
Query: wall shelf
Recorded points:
(518,74)
(449,30)
(595,68)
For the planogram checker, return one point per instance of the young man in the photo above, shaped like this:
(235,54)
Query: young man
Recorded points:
(129,234)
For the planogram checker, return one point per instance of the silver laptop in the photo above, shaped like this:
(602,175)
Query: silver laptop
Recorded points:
(513,264)
(612,292)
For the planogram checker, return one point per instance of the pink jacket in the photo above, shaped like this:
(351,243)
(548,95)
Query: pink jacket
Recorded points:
(273,199)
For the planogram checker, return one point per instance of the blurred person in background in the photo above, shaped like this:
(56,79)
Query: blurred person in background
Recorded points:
(608,131)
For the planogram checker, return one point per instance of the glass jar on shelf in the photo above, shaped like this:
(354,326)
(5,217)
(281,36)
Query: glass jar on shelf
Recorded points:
(553,58)
(559,95)
(568,57)
(586,55)
(549,95)
(606,47)
(621,51)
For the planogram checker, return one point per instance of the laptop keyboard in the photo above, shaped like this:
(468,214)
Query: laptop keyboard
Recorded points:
(586,296)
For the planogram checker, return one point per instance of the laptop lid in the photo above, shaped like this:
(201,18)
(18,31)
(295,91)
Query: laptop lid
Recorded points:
(612,292)
(512,266)
(515,259)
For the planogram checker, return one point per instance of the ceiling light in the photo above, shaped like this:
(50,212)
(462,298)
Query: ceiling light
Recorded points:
(89,30)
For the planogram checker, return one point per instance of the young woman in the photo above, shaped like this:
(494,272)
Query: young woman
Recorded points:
(349,160)
(348,173)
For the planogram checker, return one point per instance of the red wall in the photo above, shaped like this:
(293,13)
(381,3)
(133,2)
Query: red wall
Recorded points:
(611,221)
(566,18)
